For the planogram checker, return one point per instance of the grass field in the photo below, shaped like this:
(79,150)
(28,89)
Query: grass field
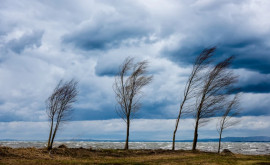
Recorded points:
(89,156)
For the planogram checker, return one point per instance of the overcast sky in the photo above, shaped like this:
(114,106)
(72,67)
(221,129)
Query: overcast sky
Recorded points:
(42,42)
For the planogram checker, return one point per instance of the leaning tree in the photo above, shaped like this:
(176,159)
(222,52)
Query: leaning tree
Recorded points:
(129,81)
(231,110)
(216,82)
(201,62)
(59,106)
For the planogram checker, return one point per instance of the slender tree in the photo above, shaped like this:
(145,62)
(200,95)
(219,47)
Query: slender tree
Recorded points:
(59,106)
(215,83)
(201,62)
(129,81)
(226,121)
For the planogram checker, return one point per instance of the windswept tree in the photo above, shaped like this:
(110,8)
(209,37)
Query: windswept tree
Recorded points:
(129,81)
(215,84)
(59,106)
(226,120)
(201,62)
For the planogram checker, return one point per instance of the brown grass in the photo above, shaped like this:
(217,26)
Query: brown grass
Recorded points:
(111,156)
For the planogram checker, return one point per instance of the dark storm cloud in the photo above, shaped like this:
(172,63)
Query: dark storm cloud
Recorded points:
(165,110)
(256,112)
(108,112)
(27,40)
(105,71)
(157,110)
(263,87)
(235,28)
(251,54)
(253,82)
(106,33)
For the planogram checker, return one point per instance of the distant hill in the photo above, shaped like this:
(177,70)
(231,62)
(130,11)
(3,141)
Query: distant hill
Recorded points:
(247,139)
(234,139)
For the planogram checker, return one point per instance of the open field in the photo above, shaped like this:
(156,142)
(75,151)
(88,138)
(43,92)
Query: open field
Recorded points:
(89,156)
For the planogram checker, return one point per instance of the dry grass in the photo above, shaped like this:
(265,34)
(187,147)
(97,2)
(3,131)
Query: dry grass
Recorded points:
(88,156)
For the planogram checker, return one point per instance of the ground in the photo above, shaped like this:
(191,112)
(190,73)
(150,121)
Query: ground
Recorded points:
(112,156)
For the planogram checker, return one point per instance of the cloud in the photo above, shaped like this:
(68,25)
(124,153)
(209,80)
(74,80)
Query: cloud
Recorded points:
(88,40)
(109,30)
(235,28)
(255,104)
(262,87)
(108,65)
(27,40)
(252,82)
(28,81)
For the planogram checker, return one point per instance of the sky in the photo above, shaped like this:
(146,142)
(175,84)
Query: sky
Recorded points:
(42,42)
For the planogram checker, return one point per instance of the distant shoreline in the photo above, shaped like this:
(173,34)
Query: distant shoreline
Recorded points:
(122,141)
(255,139)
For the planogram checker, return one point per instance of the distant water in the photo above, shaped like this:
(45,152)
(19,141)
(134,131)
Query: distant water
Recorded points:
(250,148)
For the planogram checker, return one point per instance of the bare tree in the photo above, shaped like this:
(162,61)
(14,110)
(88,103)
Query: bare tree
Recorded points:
(59,106)
(231,110)
(201,62)
(215,83)
(129,81)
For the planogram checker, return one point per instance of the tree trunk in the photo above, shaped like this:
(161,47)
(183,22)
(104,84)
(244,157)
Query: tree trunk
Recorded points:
(195,135)
(197,120)
(127,138)
(176,125)
(49,147)
(174,132)
(173,143)
(219,142)
(54,133)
